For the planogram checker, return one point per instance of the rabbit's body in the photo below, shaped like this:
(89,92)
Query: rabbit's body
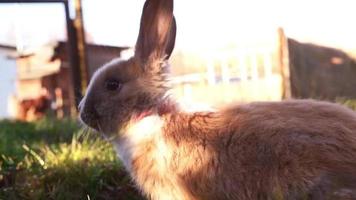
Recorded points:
(252,151)
(299,149)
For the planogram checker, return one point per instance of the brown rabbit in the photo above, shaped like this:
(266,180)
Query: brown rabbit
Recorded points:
(298,149)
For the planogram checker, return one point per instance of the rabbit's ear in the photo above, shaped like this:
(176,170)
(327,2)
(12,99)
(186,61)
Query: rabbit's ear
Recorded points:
(171,39)
(157,31)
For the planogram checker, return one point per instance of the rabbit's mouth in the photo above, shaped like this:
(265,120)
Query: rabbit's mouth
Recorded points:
(89,120)
(93,125)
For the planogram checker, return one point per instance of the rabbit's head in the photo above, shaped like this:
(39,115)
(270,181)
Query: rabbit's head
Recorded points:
(124,89)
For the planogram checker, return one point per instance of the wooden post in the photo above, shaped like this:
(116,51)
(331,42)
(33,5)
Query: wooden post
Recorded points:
(267,64)
(76,54)
(254,66)
(59,103)
(225,72)
(71,51)
(83,64)
(283,62)
(242,66)
(211,72)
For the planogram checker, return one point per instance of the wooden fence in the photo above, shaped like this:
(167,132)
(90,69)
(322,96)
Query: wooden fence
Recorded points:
(237,75)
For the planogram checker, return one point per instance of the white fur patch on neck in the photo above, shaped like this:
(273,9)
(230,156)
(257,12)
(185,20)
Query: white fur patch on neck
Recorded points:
(145,128)
(148,157)
(135,135)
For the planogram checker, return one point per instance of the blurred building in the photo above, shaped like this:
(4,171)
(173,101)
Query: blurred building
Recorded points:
(44,84)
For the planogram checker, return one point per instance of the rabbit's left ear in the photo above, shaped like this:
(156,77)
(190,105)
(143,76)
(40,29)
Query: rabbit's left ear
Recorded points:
(171,39)
(157,34)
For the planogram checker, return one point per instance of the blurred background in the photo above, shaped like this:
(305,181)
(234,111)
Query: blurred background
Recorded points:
(230,51)
(226,51)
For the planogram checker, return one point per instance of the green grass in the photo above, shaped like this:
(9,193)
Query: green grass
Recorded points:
(351,103)
(53,159)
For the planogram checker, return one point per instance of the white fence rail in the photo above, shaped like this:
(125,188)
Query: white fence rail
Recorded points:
(235,76)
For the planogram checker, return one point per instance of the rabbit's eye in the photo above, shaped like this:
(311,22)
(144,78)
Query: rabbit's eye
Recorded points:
(112,85)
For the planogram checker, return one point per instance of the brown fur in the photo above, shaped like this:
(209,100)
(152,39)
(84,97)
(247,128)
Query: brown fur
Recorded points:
(288,150)
(298,149)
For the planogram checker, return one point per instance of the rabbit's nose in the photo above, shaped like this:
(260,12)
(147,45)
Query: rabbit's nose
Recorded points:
(90,116)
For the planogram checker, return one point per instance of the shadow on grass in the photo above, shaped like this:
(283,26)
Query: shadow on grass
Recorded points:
(51,159)
(76,181)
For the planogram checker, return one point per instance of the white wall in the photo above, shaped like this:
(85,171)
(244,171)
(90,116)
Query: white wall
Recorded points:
(7,83)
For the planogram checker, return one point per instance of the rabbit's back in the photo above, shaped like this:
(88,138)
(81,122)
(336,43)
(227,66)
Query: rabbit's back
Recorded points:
(286,150)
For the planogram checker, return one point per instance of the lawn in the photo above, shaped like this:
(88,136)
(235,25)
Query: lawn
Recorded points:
(52,159)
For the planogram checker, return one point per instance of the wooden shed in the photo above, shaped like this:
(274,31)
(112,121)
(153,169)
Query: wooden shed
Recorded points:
(44,83)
